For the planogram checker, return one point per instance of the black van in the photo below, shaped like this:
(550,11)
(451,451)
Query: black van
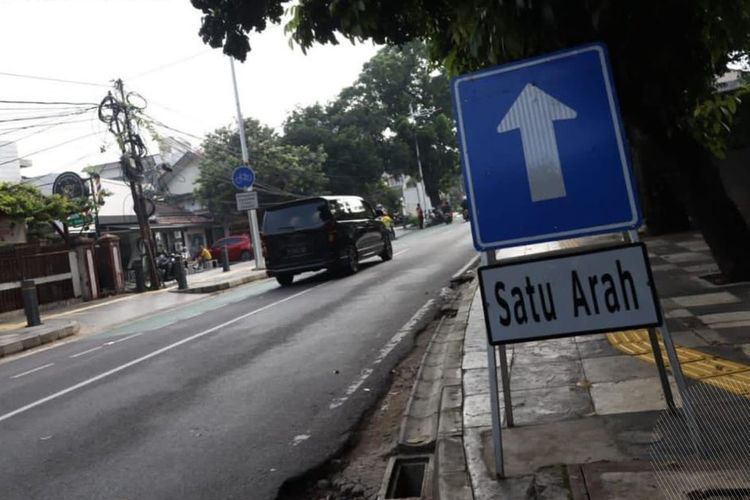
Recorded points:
(327,232)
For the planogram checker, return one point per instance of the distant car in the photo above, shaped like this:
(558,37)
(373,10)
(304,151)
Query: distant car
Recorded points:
(327,232)
(239,248)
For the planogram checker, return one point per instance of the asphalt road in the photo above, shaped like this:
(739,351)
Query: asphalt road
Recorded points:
(226,397)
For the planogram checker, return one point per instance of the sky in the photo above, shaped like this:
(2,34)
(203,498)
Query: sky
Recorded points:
(153,45)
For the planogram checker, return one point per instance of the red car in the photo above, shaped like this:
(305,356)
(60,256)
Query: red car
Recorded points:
(239,247)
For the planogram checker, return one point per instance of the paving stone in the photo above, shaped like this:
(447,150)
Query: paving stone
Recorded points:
(688,338)
(678,313)
(476,381)
(536,406)
(725,317)
(540,373)
(476,411)
(450,422)
(596,349)
(472,360)
(706,299)
(663,267)
(682,257)
(629,396)
(616,369)
(527,449)
(553,350)
(702,269)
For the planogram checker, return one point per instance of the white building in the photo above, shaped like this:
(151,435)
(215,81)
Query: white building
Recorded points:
(10,163)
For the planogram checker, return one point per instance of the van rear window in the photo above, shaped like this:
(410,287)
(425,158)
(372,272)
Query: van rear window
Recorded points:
(308,215)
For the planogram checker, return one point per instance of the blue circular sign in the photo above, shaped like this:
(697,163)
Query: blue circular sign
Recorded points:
(243,177)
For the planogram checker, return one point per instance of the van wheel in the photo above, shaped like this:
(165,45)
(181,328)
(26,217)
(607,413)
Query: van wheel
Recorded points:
(387,253)
(285,279)
(352,260)
(245,256)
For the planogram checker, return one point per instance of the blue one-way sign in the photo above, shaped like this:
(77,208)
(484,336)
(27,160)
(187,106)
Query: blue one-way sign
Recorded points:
(543,151)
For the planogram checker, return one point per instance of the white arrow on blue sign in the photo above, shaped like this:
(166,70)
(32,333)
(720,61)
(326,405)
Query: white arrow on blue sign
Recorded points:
(243,177)
(543,151)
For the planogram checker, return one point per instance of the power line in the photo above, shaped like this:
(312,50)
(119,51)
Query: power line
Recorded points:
(49,147)
(43,117)
(50,79)
(5,131)
(46,127)
(53,103)
(170,64)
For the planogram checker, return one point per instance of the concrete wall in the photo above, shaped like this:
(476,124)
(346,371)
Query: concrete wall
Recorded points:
(11,171)
(185,181)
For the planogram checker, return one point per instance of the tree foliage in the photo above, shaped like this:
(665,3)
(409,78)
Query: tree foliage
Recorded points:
(23,201)
(368,130)
(665,57)
(283,171)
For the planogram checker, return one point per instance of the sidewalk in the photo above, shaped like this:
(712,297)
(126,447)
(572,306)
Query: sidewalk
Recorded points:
(590,419)
(94,316)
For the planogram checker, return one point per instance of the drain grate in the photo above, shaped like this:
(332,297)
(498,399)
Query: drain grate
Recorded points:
(406,477)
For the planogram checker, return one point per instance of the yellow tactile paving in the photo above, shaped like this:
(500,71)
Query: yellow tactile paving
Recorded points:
(728,375)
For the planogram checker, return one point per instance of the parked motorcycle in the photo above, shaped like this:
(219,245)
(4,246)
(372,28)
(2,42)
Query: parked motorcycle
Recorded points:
(166,265)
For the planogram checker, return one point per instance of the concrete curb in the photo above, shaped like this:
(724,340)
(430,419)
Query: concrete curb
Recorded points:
(28,338)
(223,285)
(433,419)
(460,274)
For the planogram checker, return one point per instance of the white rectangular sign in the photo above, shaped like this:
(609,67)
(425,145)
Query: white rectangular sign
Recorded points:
(247,200)
(587,292)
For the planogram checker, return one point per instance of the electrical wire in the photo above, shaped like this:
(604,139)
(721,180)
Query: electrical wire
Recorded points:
(43,117)
(45,128)
(169,64)
(51,103)
(5,131)
(50,79)
(49,148)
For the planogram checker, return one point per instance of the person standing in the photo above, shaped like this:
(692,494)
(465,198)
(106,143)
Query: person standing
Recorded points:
(420,216)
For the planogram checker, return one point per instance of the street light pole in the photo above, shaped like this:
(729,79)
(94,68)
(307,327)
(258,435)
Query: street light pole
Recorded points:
(260,261)
(420,185)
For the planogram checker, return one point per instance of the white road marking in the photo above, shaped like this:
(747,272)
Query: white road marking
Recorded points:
(112,342)
(299,438)
(85,352)
(400,252)
(23,374)
(106,344)
(136,361)
(384,352)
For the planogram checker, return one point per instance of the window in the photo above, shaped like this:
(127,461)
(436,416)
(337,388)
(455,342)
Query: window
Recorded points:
(308,215)
(357,209)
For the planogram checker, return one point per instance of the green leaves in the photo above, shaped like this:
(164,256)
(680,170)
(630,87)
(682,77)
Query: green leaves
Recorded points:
(282,170)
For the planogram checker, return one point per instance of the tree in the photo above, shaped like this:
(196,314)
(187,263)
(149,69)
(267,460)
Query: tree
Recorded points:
(26,203)
(665,57)
(282,171)
(368,129)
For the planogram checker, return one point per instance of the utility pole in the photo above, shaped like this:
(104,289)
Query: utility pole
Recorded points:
(420,185)
(133,150)
(260,261)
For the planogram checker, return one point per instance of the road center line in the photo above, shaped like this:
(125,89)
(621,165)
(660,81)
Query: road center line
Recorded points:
(112,342)
(136,361)
(32,370)
(400,252)
(85,352)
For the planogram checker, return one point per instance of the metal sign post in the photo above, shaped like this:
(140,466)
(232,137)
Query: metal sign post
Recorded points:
(545,158)
(260,262)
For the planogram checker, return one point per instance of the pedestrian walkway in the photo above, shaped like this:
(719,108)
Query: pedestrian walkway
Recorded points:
(94,316)
(590,417)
